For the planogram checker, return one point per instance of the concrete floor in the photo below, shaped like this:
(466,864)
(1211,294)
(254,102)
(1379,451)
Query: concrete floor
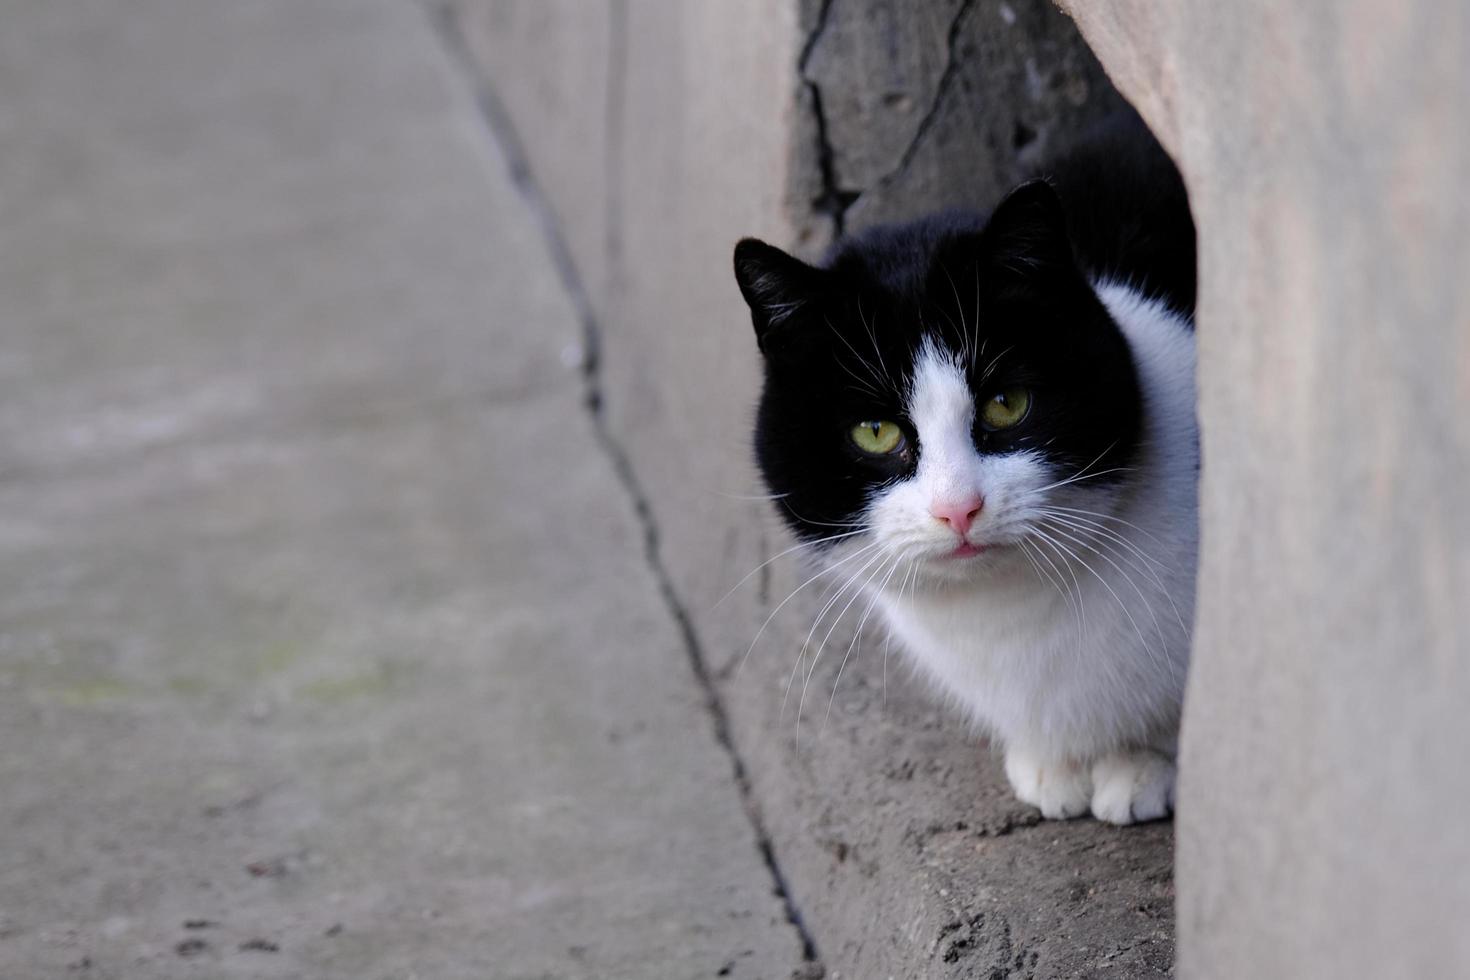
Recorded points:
(327,645)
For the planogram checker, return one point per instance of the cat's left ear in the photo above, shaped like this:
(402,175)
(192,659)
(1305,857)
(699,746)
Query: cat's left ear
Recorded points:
(1027,232)
(776,287)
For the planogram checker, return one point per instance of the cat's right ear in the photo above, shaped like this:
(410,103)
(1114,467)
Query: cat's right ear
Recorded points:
(776,287)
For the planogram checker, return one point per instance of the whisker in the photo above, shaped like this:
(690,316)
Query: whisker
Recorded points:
(825,571)
(862,383)
(856,642)
(1106,517)
(1084,469)
(1046,576)
(1082,542)
(1079,479)
(1095,574)
(1096,527)
(984,343)
(1104,535)
(879,378)
(857,592)
(966,354)
(796,547)
(806,682)
(749,496)
(888,640)
(990,368)
(815,523)
(1076,587)
(806,644)
(873,339)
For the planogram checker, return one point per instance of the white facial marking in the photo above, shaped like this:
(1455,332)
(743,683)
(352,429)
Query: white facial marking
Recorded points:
(943,410)
(951,470)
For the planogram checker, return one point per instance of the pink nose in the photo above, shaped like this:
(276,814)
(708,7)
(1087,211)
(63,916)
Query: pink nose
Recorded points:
(958,514)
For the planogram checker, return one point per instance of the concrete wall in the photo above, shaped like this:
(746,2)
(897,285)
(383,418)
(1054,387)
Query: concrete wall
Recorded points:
(1319,812)
(659,133)
(1322,828)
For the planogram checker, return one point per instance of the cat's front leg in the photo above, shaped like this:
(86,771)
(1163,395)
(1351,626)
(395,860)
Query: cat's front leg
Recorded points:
(1133,786)
(1060,788)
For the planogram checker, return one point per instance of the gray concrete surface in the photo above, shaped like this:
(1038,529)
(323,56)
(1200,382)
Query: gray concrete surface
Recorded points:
(327,643)
(1324,784)
(902,846)
(944,103)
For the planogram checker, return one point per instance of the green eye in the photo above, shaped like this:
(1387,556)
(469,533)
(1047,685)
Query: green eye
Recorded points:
(1005,408)
(877,438)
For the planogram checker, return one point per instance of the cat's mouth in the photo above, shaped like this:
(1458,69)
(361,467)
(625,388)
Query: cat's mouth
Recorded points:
(966,550)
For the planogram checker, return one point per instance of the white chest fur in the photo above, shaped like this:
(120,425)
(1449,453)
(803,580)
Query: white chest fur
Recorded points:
(1071,642)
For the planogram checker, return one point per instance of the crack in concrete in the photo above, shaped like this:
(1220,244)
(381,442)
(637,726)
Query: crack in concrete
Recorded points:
(502,134)
(834,200)
(946,80)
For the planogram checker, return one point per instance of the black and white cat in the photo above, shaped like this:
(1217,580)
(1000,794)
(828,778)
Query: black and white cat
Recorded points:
(989,425)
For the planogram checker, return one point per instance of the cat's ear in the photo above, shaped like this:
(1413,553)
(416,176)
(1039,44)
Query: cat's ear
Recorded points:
(1027,233)
(776,287)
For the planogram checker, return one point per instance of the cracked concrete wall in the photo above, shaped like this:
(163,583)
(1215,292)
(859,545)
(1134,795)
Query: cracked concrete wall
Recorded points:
(662,131)
(1321,811)
(940,104)
(559,68)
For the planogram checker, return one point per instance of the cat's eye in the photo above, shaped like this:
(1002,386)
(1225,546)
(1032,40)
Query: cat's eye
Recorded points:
(877,438)
(1005,408)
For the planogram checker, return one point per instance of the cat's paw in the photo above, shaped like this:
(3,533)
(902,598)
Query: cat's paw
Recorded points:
(1060,789)
(1132,787)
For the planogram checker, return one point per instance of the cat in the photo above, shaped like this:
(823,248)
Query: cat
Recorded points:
(987,425)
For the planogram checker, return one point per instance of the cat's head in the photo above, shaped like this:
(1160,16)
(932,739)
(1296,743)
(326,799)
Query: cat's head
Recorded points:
(937,387)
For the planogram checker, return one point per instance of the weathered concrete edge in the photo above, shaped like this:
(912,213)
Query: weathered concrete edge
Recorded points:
(502,131)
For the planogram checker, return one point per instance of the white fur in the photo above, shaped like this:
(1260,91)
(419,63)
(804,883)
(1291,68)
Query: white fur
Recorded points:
(1074,662)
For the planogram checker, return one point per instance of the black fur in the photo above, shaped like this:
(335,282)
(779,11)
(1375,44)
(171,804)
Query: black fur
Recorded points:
(840,341)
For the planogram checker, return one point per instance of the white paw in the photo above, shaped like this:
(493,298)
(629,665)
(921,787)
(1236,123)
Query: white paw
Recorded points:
(1131,787)
(1058,788)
